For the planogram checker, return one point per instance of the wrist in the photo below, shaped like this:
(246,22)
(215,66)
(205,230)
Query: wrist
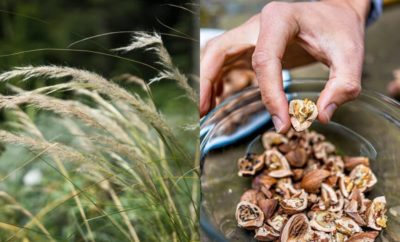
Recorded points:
(360,7)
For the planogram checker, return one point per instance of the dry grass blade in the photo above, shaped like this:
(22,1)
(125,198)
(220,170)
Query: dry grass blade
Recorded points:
(153,42)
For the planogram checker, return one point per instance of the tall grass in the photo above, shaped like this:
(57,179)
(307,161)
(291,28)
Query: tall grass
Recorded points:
(124,175)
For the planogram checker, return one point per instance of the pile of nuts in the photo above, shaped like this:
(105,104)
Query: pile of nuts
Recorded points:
(303,190)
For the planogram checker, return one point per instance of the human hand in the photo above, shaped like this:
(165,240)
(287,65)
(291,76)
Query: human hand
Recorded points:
(328,31)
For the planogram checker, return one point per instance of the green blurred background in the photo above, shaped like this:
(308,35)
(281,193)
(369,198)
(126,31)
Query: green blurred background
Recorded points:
(38,24)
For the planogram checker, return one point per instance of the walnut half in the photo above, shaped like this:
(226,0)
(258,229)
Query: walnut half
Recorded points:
(303,113)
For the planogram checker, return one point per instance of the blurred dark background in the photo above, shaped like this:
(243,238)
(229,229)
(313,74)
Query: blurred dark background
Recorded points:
(38,24)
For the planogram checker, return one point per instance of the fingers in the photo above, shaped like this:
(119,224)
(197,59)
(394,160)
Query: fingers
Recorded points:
(217,55)
(344,83)
(277,29)
(210,66)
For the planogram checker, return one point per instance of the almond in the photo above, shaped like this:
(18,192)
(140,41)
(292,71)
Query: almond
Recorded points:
(312,181)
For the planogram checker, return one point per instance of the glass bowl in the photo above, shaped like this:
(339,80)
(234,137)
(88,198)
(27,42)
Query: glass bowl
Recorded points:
(368,126)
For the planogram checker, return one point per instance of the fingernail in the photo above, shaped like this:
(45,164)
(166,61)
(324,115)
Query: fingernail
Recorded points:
(329,110)
(277,123)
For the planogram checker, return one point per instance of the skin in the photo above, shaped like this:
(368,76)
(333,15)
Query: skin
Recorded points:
(287,35)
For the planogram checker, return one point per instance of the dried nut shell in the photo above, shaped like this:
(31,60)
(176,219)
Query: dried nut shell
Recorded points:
(376,213)
(314,137)
(323,150)
(270,139)
(328,195)
(320,236)
(268,206)
(297,174)
(250,164)
(266,233)
(351,162)
(303,113)
(295,204)
(296,229)
(323,221)
(352,211)
(277,164)
(285,148)
(278,221)
(339,237)
(263,180)
(363,177)
(346,185)
(297,157)
(249,216)
(347,226)
(249,196)
(312,180)
(332,180)
(364,237)
(339,205)
(312,198)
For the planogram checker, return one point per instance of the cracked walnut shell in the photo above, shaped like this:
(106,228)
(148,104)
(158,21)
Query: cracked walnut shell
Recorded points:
(249,216)
(303,113)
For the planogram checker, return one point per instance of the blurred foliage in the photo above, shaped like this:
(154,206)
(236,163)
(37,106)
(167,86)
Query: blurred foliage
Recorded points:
(34,24)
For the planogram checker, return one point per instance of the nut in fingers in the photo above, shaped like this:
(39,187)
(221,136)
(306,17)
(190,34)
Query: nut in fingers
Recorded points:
(303,113)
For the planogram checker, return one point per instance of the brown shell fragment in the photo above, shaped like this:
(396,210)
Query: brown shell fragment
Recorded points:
(339,205)
(297,174)
(270,139)
(250,164)
(312,180)
(278,221)
(263,180)
(249,196)
(323,150)
(352,211)
(277,164)
(351,162)
(329,195)
(296,229)
(297,157)
(249,216)
(295,204)
(364,237)
(302,113)
(266,233)
(376,213)
(268,206)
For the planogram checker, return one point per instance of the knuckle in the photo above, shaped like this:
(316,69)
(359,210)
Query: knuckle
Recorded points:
(212,43)
(273,7)
(352,89)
